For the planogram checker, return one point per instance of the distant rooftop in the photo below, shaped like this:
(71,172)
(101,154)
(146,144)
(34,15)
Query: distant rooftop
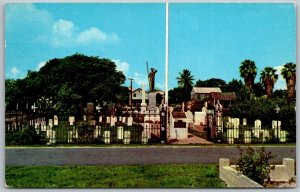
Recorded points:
(207,89)
(227,96)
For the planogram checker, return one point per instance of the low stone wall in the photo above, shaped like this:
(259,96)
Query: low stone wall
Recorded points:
(280,173)
(284,172)
(234,179)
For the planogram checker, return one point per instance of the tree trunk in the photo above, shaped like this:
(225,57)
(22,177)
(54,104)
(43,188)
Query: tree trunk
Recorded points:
(291,92)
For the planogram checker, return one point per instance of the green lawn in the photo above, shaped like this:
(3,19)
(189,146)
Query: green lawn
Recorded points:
(110,176)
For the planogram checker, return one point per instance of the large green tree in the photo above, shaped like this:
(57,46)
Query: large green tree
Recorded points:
(69,83)
(248,71)
(268,78)
(213,82)
(289,73)
(185,80)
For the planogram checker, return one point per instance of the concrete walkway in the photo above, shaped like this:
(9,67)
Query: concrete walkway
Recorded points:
(192,139)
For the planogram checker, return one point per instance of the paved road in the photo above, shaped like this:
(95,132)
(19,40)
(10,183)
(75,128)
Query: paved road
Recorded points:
(131,155)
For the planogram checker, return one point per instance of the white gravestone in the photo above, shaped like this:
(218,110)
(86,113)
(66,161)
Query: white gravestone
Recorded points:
(97,132)
(145,137)
(126,139)
(266,135)
(244,121)
(230,136)
(44,126)
(71,120)
(106,136)
(112,122)
(120,131)
(200,118)
(55,120)
(107,119)
(124,120)
(282,137)
(247,137)
(51,134)
(100,119)
(257,128)
(129,121)
(50,123)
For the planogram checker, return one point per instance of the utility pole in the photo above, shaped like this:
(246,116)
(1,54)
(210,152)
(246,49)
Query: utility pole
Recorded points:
(131,79)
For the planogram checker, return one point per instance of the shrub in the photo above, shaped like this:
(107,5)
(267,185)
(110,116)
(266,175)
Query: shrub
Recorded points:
(25,137)
(255,164)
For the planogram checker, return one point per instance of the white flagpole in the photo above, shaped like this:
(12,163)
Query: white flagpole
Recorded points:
(167,54)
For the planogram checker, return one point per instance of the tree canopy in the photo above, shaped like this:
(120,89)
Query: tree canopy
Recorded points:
(69,83)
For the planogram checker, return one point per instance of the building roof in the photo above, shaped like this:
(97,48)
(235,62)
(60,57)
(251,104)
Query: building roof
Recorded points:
(178,114)
(206,89)
(227,96)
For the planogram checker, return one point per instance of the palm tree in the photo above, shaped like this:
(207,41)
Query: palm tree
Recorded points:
(268,78)
(185,80)
(289,73)
(248,71)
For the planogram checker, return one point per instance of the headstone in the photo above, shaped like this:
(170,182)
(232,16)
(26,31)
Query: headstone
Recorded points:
(236,122)
(71,120)
(97,132)
(282,137)
(120,134)
(236,133)
(146,134)
(247,137)
(230,136)
(200,118)
(112,121)
(189,118)
(51,135)
(244,121)
(152,101)
(275,123)
(51,123)
(129,121)
(257,123)
(266,135)
(70,137)
(90,108)
(100,119)
(126,139)
(120,119)
(107,119)
(124,120)
(43,126)
(106,136)
(55,120)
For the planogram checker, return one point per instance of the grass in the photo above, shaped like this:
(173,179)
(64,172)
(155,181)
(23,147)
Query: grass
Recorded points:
(114,176)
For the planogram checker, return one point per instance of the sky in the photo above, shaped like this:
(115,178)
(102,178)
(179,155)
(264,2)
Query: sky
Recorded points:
(210,40)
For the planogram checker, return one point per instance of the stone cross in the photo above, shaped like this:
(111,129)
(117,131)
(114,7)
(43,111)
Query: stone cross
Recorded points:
(33,107)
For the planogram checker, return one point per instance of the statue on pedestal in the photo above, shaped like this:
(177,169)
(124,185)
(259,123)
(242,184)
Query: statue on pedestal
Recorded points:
(151,78)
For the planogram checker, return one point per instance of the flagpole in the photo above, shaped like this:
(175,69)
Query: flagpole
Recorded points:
(167,54)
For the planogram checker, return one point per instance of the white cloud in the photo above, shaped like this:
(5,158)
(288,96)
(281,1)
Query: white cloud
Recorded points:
(63,27)
(280,83)
(140,79)
(15,71)
(66,34)
(121,66)
(40,65)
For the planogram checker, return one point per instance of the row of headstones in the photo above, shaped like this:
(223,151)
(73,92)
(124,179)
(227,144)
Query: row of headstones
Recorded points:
(233,131)
(121,135)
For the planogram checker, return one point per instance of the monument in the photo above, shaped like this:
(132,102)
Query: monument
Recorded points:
(151,78)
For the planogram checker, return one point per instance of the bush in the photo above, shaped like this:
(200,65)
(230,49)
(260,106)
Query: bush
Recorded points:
(255,164)
(27,136)
(85,133)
